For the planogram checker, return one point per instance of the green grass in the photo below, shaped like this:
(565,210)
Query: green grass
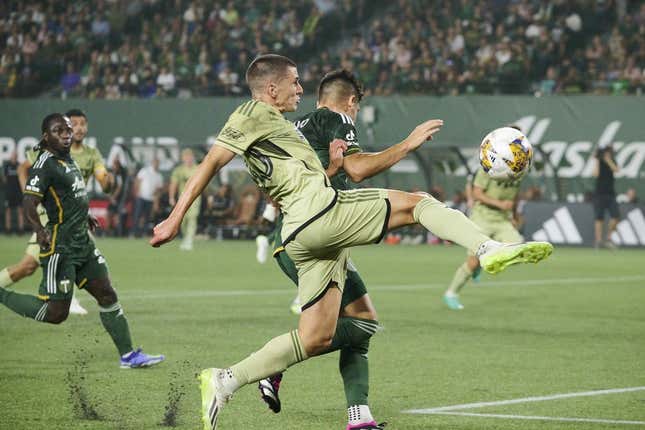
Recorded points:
(573,323)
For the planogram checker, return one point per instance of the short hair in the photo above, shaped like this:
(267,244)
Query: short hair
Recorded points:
(340,83)
(265,66)
(75,112)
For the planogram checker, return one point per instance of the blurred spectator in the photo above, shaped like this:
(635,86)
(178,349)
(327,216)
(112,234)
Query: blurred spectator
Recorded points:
(220,205)
(246,210)
(13,194)
(147,189)
(117,213)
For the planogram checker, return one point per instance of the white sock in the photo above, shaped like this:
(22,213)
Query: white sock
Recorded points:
(359,414)
(5,279)
(228,380)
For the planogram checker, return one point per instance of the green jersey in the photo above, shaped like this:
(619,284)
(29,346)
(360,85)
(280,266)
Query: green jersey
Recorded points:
(58,182)
(281,162)
(321,127)
(497,190)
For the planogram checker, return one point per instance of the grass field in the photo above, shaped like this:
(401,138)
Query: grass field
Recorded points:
(575,323)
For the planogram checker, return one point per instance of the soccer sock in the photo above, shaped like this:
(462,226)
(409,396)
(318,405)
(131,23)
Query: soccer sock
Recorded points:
(352,332)
(354,368)
(117,327)
(5,279)
(189,228)
(462,275)
(448,224)
(274,357)
(24,304)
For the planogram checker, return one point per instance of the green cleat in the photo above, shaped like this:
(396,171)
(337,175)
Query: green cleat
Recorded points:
(213,397)
(495,256)
(453,302)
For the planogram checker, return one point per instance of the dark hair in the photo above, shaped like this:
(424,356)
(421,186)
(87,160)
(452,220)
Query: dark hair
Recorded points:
(49,119)
(266,65)
(341,82)
(75,112)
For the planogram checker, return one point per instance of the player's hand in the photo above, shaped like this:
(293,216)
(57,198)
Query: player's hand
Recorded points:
(336,150)
(43,237)
(93,223)
(423,132)
(164,232)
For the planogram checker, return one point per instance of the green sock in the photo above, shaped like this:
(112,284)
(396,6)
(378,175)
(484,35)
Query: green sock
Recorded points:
(462,275)
(117,327)
(354,369)
(351,332)
(5,279)
(274,357)
(448,224)
(24,304)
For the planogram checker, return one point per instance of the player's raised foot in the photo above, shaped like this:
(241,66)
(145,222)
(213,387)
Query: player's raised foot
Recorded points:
(76,308)
(269,388)
(494,256)
(214,396)
(368,426)
(137,359)
(453,302)
(262,252)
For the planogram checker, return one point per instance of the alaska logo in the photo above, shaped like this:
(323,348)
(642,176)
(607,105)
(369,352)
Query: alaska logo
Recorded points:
(79,184)
(232,133)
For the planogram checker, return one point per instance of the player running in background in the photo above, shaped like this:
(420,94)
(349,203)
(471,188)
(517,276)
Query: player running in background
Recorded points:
(319,225)
(68,255)
(178,179)
(494,212)
(339,97)
(90,162)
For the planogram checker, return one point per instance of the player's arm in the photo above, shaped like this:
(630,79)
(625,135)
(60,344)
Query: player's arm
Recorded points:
(480,195)
(30,207)
(172,189)
(610,162)
(362,165)
(215,159)
(336,150)
(104,178)
(23,173)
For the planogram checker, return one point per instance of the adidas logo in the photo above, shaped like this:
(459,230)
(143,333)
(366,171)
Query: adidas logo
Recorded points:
(631,230)
(559,229)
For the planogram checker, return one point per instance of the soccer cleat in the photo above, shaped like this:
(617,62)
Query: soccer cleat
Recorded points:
(494,257)
(186,246)
(76,308)
(262,253)
(477,274)
(214,397)
(368,426)
(137,358)
(269,388)
(295,306)
(453,302)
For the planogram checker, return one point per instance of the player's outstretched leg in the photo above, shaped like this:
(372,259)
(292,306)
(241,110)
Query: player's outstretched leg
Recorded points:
(459,280)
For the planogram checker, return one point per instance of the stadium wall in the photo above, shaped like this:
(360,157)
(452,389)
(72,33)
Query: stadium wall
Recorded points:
(568,129)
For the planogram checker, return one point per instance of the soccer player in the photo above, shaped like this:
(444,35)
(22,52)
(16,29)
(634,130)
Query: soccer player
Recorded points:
(605,195)
(319,225)
(494,212)
(90,162)
(68,255)
(339,97)
(178,180)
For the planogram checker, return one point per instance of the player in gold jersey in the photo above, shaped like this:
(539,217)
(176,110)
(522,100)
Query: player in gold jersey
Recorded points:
(90,163)
(320,223)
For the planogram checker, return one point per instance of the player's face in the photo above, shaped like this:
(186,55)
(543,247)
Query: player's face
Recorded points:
(79,126)
(59,136)
(288,91)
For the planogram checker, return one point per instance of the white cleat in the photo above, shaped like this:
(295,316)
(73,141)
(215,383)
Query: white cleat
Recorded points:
(262,253)
(76,308)
(214,396)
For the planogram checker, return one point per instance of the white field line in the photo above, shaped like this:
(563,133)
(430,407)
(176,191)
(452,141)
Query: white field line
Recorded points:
(188,294)
(523,400)
(530,417)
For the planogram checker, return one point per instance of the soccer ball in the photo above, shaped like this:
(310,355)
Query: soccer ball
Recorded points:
(505,154)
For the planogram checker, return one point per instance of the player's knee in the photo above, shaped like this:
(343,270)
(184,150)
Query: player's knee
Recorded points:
(316,343)
(103,292)
(57,315)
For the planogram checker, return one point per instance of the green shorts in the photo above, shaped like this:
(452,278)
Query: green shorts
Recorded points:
(501,230)
(319,248)
(62,270)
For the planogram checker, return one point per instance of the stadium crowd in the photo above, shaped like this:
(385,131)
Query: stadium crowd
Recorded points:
(149,48)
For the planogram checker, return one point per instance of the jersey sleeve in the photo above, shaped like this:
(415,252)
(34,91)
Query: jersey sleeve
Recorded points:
(481,180)
(98,164)
(31,156)
(39,178)
(346,130)
(241,131)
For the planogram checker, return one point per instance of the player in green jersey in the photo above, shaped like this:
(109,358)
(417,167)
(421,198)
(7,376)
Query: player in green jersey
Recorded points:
(494,205)
(68,255)
(178,179)
(319,225)
(339,97)
(91,164)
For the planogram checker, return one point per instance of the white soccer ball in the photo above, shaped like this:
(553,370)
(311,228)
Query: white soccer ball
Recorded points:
(505,154)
